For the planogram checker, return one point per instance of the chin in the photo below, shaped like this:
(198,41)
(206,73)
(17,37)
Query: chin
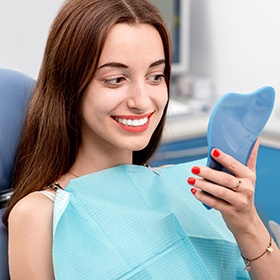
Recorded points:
(140,146)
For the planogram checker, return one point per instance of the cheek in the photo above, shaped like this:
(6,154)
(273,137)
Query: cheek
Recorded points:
(99,102)
(162,99)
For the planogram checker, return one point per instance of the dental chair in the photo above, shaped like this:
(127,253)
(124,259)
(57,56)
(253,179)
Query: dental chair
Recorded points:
(15,90)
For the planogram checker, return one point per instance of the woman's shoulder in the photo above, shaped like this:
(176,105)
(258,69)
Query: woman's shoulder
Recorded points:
(33,207)
(30,234)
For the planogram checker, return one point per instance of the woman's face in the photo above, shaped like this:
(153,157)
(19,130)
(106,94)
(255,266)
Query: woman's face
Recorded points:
(124,102)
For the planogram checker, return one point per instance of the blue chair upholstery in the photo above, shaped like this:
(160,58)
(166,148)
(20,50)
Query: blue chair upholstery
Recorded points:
(15,91)
(4,271)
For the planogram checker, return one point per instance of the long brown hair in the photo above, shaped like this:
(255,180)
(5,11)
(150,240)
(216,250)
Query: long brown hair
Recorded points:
(52,129)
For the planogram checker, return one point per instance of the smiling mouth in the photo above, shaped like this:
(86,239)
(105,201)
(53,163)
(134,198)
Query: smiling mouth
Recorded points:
(132,122)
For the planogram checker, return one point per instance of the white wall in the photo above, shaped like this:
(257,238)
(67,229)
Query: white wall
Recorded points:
(24,26)
(237,44)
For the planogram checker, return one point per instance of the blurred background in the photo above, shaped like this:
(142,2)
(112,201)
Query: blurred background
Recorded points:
(230,45)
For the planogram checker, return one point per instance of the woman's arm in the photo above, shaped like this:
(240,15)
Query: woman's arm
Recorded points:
(233,196)
(30,239)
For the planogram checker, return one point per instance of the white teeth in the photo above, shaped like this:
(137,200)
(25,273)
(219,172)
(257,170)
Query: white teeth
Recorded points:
(134,122)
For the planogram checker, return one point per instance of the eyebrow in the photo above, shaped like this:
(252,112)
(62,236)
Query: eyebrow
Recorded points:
(121,65)
(157,63)
(113,65)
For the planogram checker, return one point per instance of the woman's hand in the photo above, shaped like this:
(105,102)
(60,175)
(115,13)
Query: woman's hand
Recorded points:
(232,195)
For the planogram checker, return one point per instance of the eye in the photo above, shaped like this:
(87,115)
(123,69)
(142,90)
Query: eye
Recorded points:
(114,81)
(156,79)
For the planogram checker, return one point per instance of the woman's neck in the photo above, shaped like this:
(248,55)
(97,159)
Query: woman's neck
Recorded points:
(89,161)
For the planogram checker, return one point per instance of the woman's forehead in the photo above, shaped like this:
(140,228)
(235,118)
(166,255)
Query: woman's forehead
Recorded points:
(132,43)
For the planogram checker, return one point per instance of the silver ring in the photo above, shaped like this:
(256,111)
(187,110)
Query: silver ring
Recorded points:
(237,186)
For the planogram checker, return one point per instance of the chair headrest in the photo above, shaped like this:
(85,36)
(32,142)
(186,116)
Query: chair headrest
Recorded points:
(15,91)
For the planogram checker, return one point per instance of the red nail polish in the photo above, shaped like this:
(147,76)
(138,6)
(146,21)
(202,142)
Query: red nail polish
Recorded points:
(191,181)
(193,190)
(216,153)
(196,170)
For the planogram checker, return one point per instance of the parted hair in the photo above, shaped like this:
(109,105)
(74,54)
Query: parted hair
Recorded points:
(52,130)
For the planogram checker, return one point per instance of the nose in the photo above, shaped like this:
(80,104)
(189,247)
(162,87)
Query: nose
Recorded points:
(138,97)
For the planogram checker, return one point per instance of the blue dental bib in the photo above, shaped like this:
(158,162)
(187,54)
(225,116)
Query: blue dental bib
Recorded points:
(129,222)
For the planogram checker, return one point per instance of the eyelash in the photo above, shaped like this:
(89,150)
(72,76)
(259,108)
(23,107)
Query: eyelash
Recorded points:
(158,78)
(115,82)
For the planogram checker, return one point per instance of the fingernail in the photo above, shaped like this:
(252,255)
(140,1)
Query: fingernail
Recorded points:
(196,170)
(193,190)
(191,181)
(216,153)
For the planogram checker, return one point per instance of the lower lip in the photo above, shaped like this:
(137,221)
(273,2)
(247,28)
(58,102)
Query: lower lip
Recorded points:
(134,129)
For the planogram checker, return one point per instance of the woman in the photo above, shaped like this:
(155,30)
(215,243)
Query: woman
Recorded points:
(94,121)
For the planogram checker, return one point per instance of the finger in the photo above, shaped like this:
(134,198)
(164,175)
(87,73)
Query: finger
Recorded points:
(237,186)
(222,198)
(217,177)
(213,195)
(253,157)
(231,164)
(210,187)
(210,200)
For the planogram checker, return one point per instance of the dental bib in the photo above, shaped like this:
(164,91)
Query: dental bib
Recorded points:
(129,222)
